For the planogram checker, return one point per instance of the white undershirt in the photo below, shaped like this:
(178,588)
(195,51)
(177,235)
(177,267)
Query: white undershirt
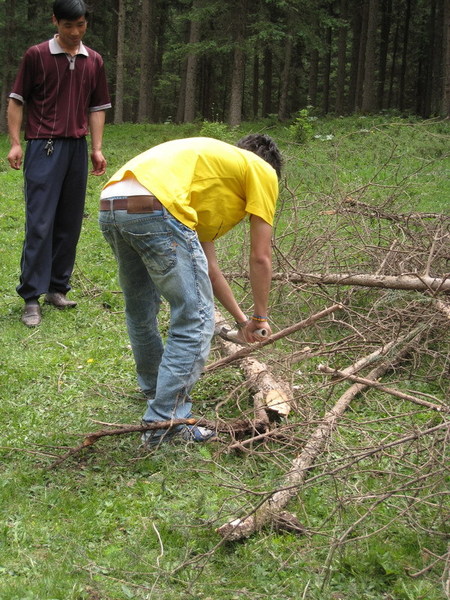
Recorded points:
(126,187)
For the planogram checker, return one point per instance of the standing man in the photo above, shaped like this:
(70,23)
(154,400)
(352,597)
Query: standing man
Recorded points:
(161,214)
(63,84)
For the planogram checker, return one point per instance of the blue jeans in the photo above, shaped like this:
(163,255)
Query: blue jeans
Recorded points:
(160,257)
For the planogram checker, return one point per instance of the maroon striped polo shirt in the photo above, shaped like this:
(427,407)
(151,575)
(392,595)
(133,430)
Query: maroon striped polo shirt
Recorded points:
(60,90)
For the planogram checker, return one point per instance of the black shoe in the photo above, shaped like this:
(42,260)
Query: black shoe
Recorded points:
(59,300)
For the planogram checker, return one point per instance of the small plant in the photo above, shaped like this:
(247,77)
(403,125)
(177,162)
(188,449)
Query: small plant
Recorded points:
(301,129)
(215,129)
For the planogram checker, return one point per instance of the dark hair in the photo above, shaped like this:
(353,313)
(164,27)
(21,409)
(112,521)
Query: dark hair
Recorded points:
(263,146)
(70,9)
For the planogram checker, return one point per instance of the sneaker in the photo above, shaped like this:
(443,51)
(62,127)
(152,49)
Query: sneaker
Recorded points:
(188,433)
(151,439)
(194,433)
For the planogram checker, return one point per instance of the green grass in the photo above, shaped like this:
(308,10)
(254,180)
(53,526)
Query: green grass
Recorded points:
(114,522)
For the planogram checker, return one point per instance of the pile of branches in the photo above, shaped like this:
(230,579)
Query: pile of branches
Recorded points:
(361,313)
(381,278)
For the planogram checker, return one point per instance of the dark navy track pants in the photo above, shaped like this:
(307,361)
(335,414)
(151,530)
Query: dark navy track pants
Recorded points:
(55,191)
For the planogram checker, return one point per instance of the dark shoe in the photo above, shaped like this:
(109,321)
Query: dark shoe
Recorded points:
(59,300)
(31,316)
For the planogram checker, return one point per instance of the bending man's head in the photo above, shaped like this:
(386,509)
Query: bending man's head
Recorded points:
(264,147)
(70,10)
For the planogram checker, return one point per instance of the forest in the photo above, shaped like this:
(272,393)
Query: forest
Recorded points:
(185,60)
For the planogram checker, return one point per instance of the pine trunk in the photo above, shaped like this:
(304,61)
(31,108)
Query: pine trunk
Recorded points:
(120,68)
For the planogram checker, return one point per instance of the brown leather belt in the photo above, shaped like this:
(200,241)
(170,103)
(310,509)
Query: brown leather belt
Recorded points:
(132,204)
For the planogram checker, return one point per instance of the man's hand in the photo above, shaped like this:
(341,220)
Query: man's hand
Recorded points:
(248,332)
(99,163)
(15,117)
(15,156)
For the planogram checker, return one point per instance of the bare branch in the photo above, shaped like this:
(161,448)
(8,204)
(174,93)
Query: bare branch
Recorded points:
(412,282)
(243,352)
(387,390)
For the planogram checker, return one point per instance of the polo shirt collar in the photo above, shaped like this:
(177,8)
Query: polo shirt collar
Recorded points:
(55,48)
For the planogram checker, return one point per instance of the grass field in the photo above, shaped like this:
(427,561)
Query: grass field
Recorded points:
(117,523)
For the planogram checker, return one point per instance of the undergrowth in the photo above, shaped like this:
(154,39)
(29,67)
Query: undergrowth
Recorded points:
(117,522)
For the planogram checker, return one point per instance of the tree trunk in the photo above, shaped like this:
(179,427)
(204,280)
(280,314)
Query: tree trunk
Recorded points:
(327,72)
(146,72)
(285,78)
(354,62)
(182,92)
(341,60)
(8,41)
(361,61)
(404,65)
(386,17)
(120,69)
(191,69)
(428,93)
(313,75)
(267,82)
(369,96)
(445,109)
(238,74)
(393,72)
(160,26)
(237,88)
(255,87)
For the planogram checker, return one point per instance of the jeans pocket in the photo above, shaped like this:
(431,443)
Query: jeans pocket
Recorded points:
(157,250)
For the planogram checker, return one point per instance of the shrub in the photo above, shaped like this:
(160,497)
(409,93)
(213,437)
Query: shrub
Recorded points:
(301,129)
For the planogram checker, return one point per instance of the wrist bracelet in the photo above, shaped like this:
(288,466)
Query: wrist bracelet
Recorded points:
(259,318)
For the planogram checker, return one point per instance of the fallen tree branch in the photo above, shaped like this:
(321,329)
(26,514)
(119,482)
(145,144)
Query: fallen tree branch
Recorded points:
(374,356)
(387,390)
(240,426)
(381,448)
(412,282)
(437,559)
(266,511)
(91,438)
(408,282)
(243,352)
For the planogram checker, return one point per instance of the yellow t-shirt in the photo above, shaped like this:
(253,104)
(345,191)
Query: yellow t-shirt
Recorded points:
(205,183)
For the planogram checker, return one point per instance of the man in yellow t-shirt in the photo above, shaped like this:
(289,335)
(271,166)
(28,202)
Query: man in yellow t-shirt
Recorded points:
(161,213)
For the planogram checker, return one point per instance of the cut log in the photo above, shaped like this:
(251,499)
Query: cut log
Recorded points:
(272,394)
